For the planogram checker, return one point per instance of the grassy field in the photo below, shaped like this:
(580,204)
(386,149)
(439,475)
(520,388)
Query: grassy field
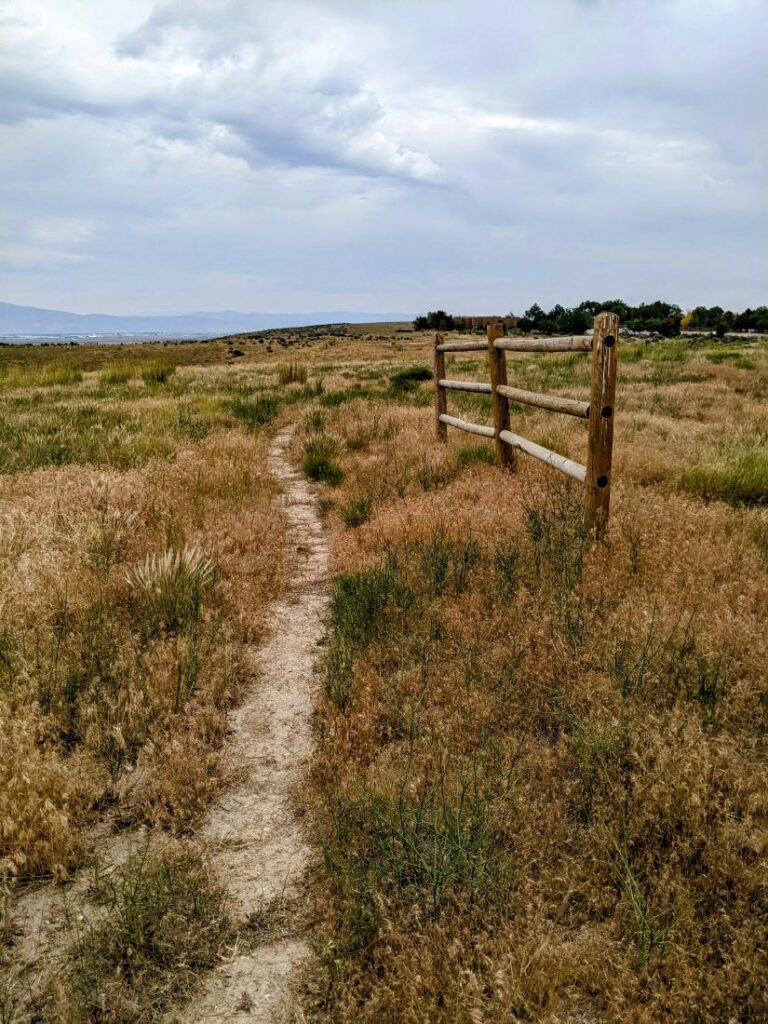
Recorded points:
(541,768)
(539,790)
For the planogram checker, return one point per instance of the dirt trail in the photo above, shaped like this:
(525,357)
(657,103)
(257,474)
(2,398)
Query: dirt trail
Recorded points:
(256,841)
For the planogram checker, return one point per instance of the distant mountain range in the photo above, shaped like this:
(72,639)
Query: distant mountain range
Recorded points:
(30,321)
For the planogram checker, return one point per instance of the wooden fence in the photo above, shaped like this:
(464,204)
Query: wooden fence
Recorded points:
(598,411)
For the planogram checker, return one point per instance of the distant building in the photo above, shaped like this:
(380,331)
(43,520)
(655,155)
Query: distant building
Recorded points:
(476,323)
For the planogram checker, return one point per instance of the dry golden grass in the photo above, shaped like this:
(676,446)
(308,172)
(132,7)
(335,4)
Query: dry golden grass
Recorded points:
(541,768)
(102,688)
(111,697)
(161,919)
(141,547)
(540,786)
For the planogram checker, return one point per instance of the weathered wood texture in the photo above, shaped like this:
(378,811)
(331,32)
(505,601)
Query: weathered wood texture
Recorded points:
(462,346)
(567,466)
(600,445)
(465,385)
(497,365)
(552,402)
(441,399)
(471,428)
(578,343)
(599,411)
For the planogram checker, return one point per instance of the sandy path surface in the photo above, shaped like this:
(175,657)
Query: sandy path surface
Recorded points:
(256,841)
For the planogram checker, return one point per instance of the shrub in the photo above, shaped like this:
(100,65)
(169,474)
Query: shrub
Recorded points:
(165,921)
(293,372)
(109,535)
(359,601)
(434,475)
(360,440)
(157,373)
(444,562)
(410,378)
(314,422)
(633,351)
(357,511)
(46,377)
(117,375)
(319,463)
(669,352)
(255,411)
(729,355)
(507,561)
(433,842)
(59,376)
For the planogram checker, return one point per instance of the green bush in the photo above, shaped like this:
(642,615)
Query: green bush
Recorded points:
(668,352)
(730,355)
(293,372)
(314,422)
(360,600)
(435,840)
(319,462)
(117,375)
(410,378)
(44,377)
(357,511)
(157,373)
(255,411)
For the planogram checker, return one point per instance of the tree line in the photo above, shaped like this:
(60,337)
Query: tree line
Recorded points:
(664,318)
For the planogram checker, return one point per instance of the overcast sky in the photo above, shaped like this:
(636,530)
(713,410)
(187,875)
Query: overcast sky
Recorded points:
(382,155)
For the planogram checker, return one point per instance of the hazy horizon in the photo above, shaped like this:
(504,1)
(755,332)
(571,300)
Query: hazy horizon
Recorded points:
(329,155)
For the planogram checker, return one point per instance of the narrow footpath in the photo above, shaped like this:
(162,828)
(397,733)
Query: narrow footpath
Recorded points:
(256,842)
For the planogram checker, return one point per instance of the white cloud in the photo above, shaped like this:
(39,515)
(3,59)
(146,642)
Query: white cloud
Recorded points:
(461,154)
(57,231)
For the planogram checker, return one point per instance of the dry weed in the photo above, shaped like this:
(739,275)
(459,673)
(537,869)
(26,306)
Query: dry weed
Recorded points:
(541,771)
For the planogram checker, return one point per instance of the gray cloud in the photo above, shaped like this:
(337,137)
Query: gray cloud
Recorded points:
(161,156)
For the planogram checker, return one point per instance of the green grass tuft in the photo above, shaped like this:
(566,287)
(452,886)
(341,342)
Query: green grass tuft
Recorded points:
(255,411)
(333,399)
(157,372)
(357,511)
(472,454)
(166,921)
(42,377)
(319,462)
(293,372)
(741,482)
(410,378)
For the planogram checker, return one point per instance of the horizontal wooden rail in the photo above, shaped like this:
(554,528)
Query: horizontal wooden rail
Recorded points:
(602,343)
(471,428)
(579,343)
(567,405)
(465,385)
(567,466)
(463,346)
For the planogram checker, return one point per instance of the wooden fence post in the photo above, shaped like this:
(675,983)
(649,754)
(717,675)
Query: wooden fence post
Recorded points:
(605,341)
(497,361)
(441,396)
